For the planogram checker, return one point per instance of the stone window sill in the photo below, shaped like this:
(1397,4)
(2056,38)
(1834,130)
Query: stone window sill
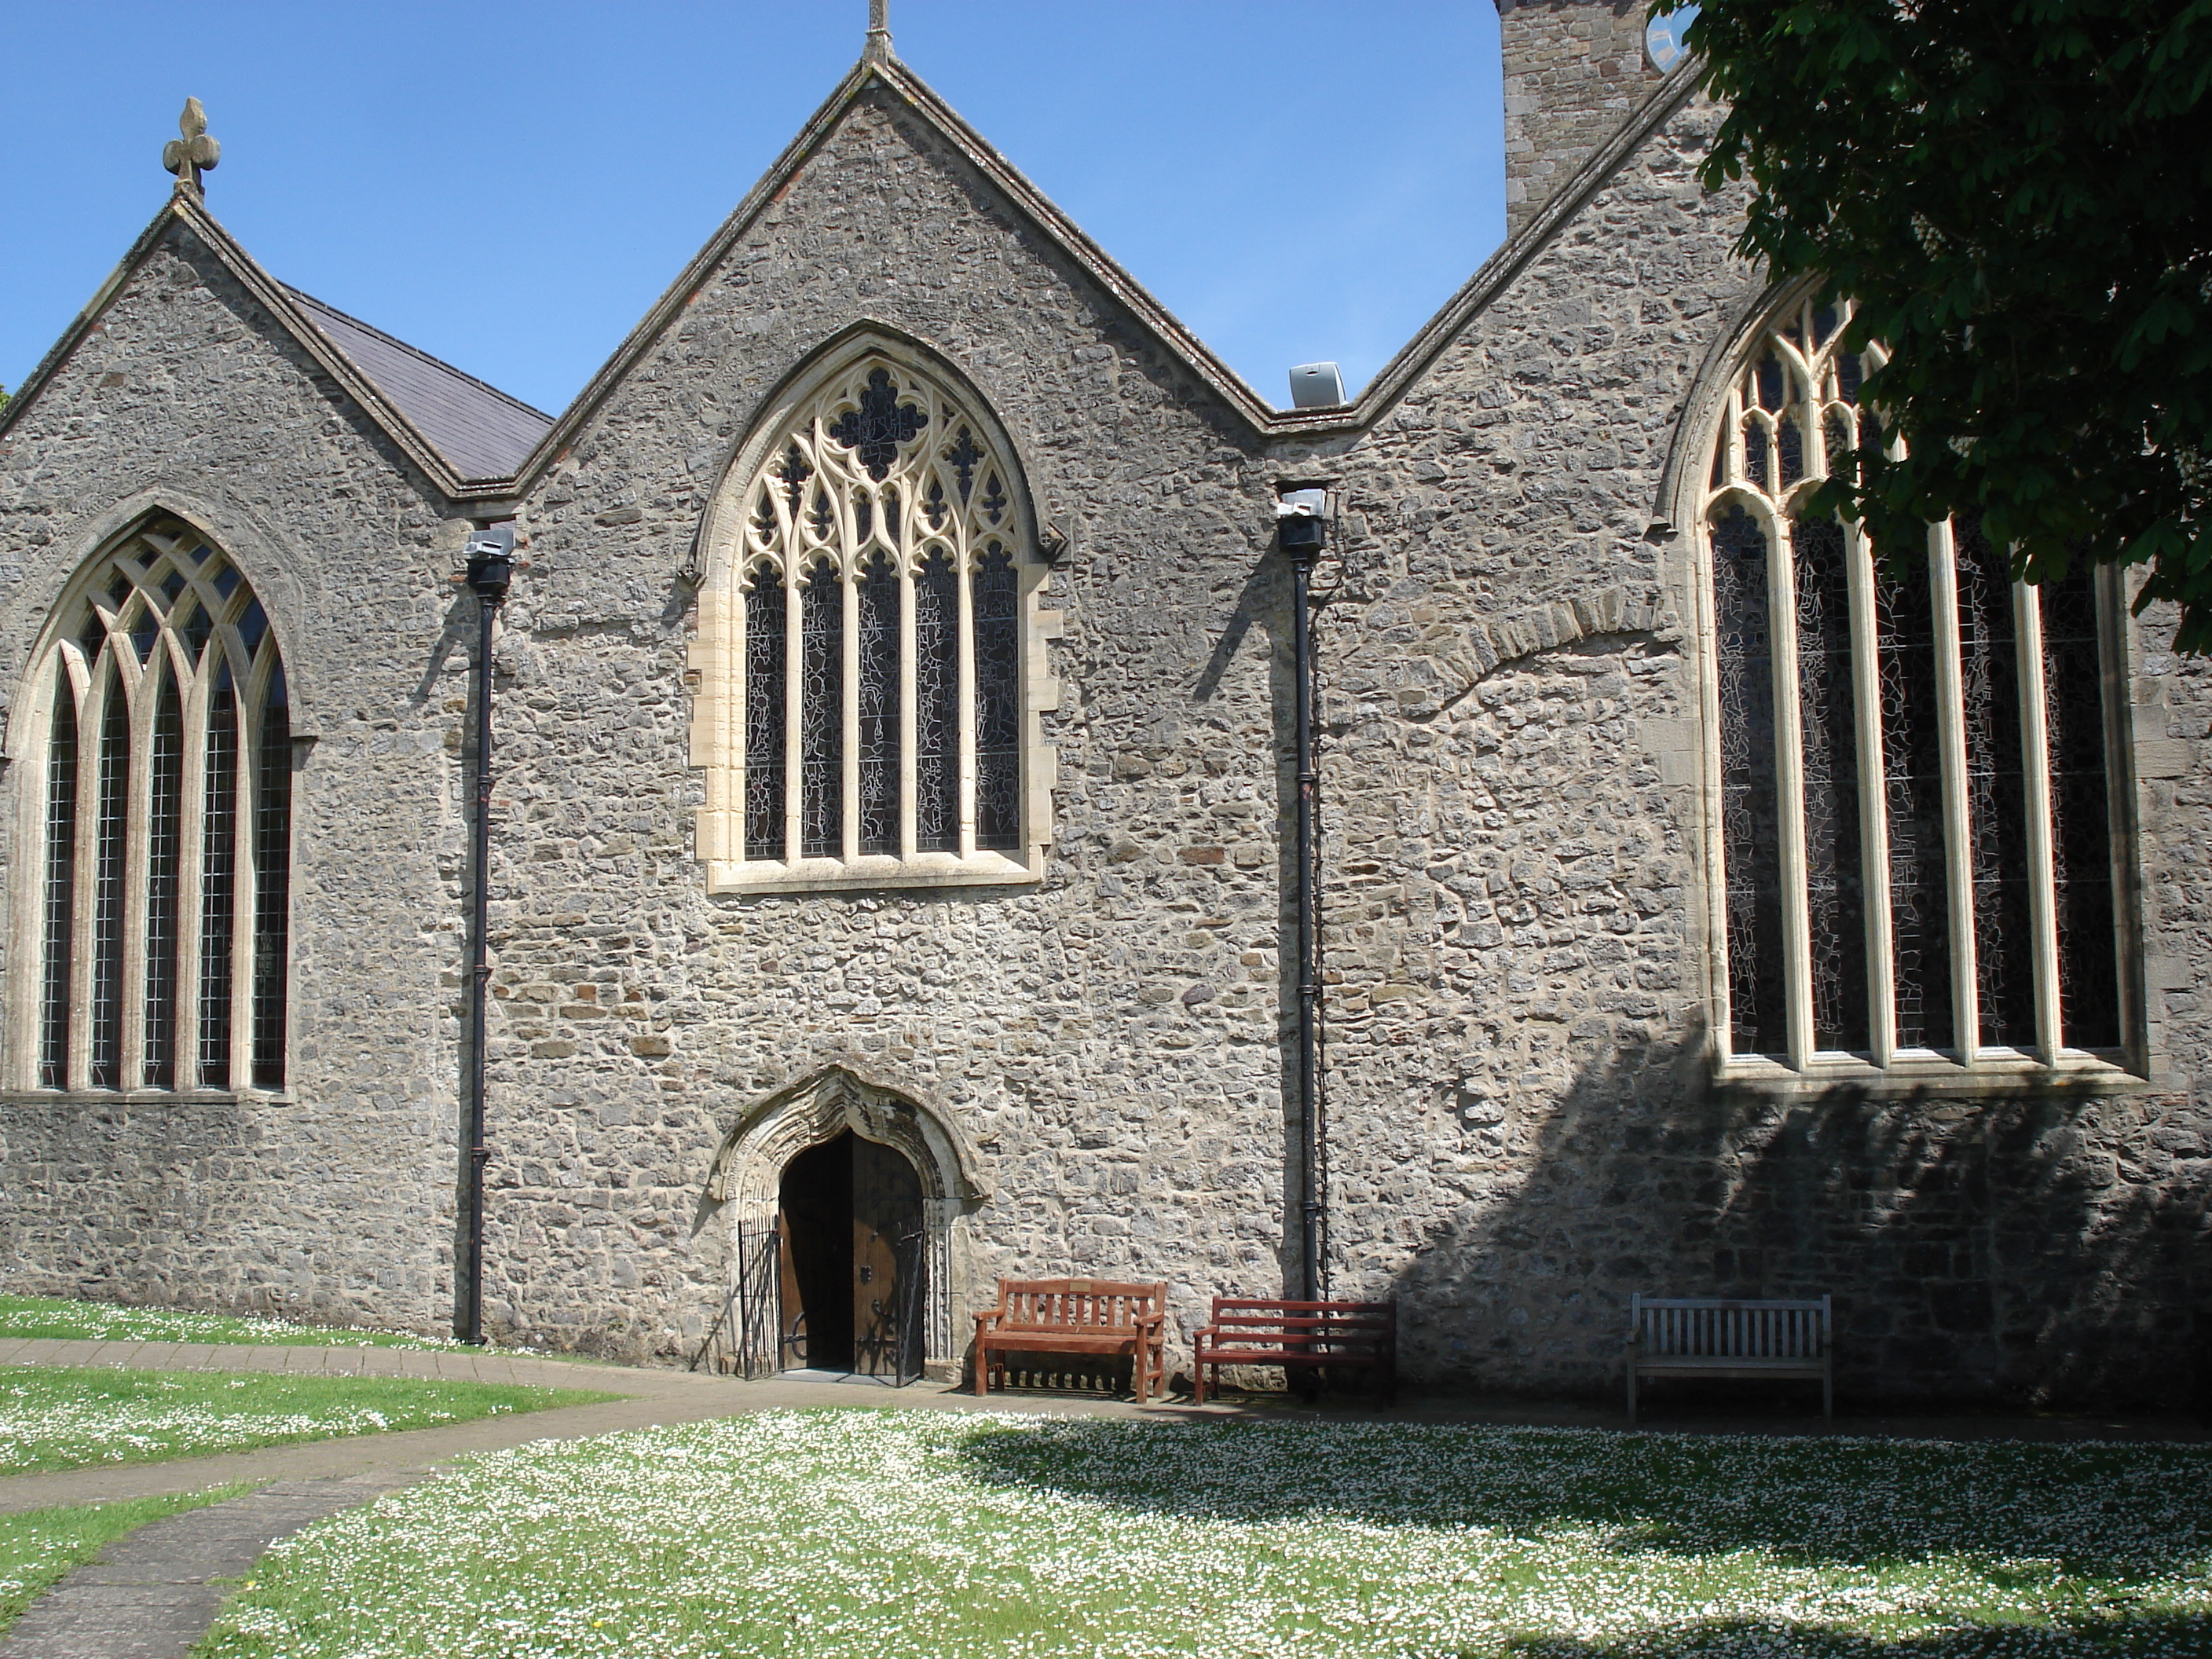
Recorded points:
(924,870)
(148,1097)
(1925,1073)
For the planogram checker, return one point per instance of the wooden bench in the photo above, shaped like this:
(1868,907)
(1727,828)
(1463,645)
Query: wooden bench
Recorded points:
(1078,1317)
(1714,1336)
(1341,1335)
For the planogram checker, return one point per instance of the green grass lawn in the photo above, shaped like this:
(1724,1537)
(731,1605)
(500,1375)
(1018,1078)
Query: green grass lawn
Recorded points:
(64,1418)
(58,1316)
(39,1546)
(898,1535)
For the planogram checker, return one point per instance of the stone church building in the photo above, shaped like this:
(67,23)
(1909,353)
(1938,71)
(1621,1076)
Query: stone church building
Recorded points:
(892,825)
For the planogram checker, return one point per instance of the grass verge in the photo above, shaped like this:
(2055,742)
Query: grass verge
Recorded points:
(39,1546)
(64,1418)
(103,1322)
(914,1536)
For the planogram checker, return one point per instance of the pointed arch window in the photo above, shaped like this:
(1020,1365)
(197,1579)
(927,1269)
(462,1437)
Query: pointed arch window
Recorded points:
(165,814)
(1916,830)
(868,698)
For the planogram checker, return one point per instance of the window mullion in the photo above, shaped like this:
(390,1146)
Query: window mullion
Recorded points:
(1873,816)
(1790,779)
(1957,853)
(2035,764)
(909,807)
(794,690)
(967,625)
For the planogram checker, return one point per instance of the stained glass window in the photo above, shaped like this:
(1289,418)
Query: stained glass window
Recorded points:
(880,772)
(765,613)
(60,896)
(1912,804)
(111,830)
(162,637)
(997,712)
(218,882)
(937,705)
(2081,831)
(1750,820)
(1828,724)
(822,714)
(1996,791)
(272,864)
(165,813)
(1908,692)
(904,521)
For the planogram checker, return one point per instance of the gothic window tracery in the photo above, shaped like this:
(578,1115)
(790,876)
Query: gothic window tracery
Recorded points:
(877,624)
(164,911)
(1914,833)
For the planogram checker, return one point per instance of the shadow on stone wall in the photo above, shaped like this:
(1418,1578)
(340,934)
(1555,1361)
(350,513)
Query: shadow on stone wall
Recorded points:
(2041,1249)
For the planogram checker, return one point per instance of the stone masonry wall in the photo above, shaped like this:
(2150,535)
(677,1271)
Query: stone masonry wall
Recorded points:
(335,1199)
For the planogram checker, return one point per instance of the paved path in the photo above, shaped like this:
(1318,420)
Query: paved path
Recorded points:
(152,1594)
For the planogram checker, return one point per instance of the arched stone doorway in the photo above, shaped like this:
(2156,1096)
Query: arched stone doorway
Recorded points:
(826,1185)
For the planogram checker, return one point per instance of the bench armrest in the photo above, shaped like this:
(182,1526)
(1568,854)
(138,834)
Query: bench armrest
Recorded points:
(990,1317)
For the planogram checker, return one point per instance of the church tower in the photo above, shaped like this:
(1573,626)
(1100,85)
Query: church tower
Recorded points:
(1574,69)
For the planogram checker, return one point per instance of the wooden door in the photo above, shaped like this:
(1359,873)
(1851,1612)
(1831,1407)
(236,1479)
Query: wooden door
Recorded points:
(850,1218)
(887,1260)
(815,1221)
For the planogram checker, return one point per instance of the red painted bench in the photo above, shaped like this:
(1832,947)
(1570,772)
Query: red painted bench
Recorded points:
(1078,1317)
(1339,1335)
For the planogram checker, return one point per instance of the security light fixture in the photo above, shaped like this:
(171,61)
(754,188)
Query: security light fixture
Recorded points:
(1302,522)
(491,561)
(1316,385)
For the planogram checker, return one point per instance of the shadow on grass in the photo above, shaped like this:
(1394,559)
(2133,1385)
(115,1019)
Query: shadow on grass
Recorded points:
(2117,1631)
(2079,1510)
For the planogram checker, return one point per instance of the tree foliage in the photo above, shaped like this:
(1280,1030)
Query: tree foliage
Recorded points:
(2017,196)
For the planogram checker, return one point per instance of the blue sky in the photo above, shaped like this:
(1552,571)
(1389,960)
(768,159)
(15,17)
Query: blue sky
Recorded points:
(510,185)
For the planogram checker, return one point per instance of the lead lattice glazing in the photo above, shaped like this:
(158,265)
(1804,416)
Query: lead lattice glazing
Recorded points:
(882,483)
(154,662)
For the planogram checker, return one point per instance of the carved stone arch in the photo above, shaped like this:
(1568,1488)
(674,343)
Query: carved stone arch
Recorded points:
(1682,482)
(267,563)
(747,1171)
(720,529)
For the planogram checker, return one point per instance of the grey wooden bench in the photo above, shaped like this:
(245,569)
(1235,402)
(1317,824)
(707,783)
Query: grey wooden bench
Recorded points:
(1715,1336)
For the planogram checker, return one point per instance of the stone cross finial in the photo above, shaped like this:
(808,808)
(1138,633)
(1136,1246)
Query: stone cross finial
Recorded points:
(878,48)
(193,154)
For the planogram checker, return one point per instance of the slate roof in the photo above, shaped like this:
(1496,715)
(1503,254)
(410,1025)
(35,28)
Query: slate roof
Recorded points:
(481,430)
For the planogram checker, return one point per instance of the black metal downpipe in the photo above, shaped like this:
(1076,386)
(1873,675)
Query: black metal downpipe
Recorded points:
(1301,532)
(490,568)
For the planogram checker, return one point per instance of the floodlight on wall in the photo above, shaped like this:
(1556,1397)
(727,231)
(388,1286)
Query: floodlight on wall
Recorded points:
(490,555)
(1316,385)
